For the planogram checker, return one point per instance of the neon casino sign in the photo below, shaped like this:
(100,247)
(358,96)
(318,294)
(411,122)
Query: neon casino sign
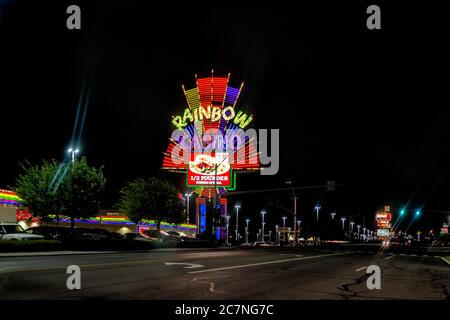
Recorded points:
(213,114)
(210,127)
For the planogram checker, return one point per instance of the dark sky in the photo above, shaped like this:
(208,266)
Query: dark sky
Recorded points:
(368,109)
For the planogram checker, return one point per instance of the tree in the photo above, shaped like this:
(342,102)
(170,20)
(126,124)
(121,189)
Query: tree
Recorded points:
(82,190)
(71,189)
(38,188)
(151,199)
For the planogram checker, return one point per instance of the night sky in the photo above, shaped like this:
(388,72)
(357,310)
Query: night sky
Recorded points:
(366,108)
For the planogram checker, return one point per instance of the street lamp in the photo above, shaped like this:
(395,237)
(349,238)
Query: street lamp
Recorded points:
(237,219)
(358,226)
(332,215)
(263,212)
(73,152)
(270,235)
(343,222)
(187,195)
(259,234)
(299,222)
(277,234)
(227,217)
(295,207)
(351,226)
(284,221)
(317,207)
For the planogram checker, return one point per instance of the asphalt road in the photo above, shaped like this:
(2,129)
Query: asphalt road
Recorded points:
(253,273)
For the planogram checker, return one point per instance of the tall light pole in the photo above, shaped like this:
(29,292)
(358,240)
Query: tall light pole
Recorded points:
(277,234)
(332,215)
(263,213)
(187,195)
(237,219)
(270,235)
(73,152)
(246,230)
(351,230)
(317,208)
(284,221)
(299,222)
(343,222)
(260,233)
(227,225)
(295,208)
(358,226)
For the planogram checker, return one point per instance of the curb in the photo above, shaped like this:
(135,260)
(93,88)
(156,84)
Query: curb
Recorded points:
(68,253)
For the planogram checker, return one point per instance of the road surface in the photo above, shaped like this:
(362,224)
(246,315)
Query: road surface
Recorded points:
(247,273)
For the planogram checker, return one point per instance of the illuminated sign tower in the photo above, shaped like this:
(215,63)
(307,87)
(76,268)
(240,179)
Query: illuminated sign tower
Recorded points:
(209,144)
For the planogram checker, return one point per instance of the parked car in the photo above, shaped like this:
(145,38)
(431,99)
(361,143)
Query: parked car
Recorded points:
(49,232)
(13,231)
(135,237)
(161,236)
(262,244)
(92,234)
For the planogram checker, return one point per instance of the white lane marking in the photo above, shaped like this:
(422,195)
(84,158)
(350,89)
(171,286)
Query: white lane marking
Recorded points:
(189,265)
(393,256)
(402,254)
(412,255)
(359,269)
(445,260)
(270,262)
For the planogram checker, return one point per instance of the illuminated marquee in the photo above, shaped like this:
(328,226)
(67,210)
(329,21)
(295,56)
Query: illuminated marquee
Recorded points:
(211,109)
(213,114)
(202,170)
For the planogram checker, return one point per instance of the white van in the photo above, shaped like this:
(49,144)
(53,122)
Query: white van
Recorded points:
(13,231)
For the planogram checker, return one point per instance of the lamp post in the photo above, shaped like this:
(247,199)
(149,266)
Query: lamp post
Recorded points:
(317,207)
(237,219)
(260,233)
(343,222)
(277,234)
(358,226)
(270,235)
(299,222)
(263,213)
(187,195)
(227,225)
(295,207)
(332,215)
(73,152)
(284,222)
(246,230)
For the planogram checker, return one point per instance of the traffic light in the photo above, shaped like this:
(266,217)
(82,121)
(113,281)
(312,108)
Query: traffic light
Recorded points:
(402,212)
(418,212)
